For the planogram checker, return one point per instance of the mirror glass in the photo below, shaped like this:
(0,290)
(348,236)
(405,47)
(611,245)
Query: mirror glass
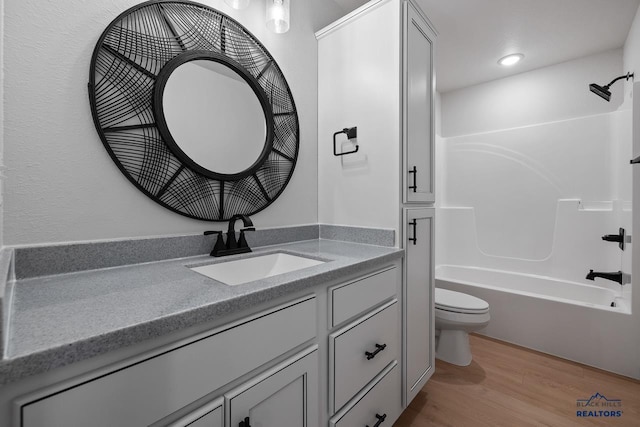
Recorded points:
(214,116)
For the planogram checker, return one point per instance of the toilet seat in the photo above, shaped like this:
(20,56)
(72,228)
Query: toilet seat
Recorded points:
(458,302)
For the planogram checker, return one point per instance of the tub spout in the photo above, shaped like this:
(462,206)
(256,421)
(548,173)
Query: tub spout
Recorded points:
(617,276)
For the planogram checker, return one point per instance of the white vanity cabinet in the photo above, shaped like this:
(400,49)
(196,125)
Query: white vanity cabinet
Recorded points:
(376,73)
(266,368)
(142,391)
(363,348)
(418,128)
(418,290)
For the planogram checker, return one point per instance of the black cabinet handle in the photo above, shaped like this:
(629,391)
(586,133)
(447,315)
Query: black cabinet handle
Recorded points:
(379,348)
(380,418)
(414,171)
(244,423)
(414,239)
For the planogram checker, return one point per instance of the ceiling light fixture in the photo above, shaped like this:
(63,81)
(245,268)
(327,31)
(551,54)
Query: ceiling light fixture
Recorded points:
(237,4)
(278,16)
(510,60)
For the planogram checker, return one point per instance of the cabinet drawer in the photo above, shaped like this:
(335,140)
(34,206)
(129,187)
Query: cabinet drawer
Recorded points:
(155,387)
(355,356)
(351,299)
(381,399)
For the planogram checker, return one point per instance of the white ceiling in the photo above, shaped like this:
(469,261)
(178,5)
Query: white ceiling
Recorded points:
(474,34)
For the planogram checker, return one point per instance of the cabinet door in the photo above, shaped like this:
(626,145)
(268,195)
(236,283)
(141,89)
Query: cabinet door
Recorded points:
(286,395)
(210,415)
(418,112)
(418,299)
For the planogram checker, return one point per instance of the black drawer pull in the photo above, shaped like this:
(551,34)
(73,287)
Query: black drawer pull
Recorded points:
(380,418)
(244,423)
(414,239)
(414,171)
(379,348)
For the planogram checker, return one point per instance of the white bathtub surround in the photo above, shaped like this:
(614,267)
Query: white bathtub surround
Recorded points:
(514,179)
(535,201)
(574,241)
(537,171)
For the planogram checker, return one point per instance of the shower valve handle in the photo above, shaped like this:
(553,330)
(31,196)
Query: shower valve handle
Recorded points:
(619,238)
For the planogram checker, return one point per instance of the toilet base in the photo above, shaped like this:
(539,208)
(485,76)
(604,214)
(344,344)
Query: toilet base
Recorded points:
(453,347)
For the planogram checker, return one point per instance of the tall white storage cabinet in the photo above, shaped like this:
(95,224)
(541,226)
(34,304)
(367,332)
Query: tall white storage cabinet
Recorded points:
(376,74)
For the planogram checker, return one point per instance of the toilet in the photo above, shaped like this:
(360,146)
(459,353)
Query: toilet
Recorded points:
(456,315)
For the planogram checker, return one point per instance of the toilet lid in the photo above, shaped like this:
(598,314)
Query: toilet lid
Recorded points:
(459,302)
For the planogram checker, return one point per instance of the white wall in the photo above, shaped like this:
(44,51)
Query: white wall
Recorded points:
(548,94)
(61,184)
(358,84)
(632,55)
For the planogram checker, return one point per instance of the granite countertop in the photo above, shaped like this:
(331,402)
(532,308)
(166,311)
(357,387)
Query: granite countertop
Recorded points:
(61,319)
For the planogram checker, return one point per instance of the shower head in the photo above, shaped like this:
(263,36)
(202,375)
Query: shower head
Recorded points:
(603,91)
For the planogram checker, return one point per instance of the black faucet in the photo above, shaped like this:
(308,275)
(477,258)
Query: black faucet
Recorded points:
(617,276)
(231,233)
(232,247)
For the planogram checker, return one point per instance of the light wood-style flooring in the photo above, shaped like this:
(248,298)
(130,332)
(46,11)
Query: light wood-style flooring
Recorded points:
(507,385)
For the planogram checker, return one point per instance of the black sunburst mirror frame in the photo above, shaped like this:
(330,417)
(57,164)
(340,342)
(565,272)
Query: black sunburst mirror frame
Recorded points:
(131,63)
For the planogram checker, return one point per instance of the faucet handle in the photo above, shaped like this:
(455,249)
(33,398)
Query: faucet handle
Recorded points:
(219,242)
(242,241)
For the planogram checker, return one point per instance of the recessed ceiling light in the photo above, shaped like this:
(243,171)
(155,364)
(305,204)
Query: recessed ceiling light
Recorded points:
(510,60)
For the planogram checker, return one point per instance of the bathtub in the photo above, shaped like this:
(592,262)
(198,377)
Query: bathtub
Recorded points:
(566,319)
(540,287)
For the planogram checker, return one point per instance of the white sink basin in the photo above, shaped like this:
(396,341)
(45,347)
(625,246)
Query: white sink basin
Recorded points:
(249,269)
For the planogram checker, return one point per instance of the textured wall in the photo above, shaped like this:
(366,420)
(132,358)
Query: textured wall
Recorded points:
(61,184)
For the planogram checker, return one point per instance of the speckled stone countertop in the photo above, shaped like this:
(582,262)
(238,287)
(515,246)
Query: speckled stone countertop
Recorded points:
(62,319)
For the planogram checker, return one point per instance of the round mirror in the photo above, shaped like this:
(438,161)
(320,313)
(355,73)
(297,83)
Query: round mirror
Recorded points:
(194,110)
(214,116)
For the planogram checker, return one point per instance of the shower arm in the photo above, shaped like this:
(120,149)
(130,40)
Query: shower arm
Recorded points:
(626,77)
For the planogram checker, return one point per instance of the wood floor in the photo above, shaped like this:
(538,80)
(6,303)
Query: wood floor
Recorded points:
(506,385)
